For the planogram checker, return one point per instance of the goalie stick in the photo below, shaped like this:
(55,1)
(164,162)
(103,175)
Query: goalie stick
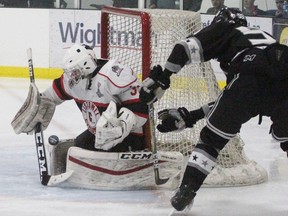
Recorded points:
(45,178)
(158,180)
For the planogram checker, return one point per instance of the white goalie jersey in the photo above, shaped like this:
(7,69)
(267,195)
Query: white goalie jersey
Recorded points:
(111,81)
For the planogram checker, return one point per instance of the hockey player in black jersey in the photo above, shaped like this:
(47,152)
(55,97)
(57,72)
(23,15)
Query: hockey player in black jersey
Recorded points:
(256,67)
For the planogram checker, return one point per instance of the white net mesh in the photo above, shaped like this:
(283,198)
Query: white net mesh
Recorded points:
(194,86)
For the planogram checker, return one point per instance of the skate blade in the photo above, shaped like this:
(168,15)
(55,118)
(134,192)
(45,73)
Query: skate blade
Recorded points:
(185,212)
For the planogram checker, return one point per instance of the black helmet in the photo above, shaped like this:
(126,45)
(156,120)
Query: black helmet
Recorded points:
(231,15)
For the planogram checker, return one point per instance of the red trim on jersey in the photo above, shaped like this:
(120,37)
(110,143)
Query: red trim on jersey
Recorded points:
(96,103)
(115,84)
(131,101)
(60,90)
(57,91)
(137,134)
(108,171)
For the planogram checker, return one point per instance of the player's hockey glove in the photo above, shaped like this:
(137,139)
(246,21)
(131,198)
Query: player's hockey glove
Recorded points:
(178,119)
(154,86)
(284,147)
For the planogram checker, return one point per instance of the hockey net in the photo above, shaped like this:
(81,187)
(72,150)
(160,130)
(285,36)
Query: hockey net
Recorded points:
(144,38)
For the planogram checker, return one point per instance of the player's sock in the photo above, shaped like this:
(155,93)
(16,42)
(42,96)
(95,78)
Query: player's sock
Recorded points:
(200,164)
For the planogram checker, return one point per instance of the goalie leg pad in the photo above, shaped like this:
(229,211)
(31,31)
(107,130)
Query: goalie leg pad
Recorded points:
(122,170)
(58,154)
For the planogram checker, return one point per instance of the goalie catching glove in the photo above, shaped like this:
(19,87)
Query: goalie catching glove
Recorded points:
(154,86)
(34,110)
(112,129)
(178,119)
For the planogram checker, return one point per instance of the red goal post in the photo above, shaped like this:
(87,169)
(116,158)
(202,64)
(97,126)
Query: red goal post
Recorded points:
(144,38)
(144,19)
(145,22)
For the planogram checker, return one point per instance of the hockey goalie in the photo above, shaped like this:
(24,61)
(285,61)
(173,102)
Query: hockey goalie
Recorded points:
(112,152)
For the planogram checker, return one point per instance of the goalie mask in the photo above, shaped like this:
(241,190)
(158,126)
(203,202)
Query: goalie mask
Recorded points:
(230,15)
(79,61)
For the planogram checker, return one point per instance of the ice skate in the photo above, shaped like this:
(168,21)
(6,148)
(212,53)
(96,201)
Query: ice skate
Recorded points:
(183,199)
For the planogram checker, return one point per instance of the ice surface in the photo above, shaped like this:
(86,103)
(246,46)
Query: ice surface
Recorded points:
(21,193)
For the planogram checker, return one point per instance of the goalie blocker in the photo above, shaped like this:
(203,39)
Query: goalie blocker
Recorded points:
(114,170)
(34,110)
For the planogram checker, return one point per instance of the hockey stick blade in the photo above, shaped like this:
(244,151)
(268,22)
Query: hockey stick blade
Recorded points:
(52,180)
(160,181)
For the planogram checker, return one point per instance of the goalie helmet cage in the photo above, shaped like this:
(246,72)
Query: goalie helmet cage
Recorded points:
(144,38)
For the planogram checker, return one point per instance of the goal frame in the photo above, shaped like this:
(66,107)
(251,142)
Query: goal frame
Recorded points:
(196,80)
(146,49)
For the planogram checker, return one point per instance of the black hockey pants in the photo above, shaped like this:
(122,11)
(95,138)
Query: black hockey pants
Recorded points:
(247,96)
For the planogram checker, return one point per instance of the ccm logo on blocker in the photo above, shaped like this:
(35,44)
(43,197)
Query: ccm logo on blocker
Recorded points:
(135,156)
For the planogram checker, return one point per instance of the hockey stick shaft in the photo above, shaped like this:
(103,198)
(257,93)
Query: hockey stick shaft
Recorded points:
(41,153)
(38,133)
(30,65)
(158,180)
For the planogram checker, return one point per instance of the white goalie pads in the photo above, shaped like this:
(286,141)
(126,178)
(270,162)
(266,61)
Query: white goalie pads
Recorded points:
(35,109)
(115,170)
(111,129)
(123,170)
(58,156)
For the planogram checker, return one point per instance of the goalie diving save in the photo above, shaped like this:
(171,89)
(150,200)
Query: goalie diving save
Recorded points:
(106,93)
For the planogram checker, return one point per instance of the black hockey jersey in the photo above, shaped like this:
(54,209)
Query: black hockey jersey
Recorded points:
(221,41)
